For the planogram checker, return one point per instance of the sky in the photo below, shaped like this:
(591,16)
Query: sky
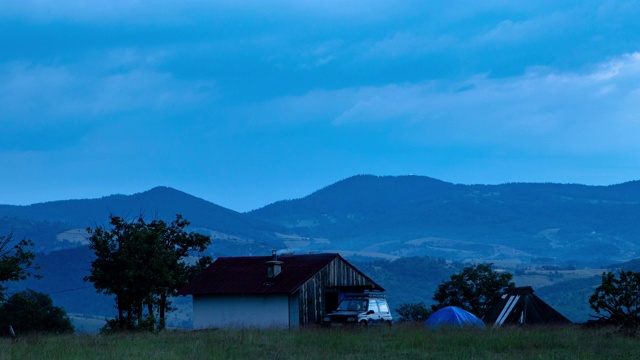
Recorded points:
(244,103)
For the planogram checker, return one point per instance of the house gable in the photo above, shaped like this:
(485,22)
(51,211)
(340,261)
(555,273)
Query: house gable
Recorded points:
(248,275)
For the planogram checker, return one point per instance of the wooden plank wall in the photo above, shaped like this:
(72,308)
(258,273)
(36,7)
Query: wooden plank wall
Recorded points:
(311,294)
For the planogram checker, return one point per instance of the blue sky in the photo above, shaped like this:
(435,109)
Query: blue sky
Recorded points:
(244,103)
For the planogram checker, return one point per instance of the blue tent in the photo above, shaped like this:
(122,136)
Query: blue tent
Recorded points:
(453,316)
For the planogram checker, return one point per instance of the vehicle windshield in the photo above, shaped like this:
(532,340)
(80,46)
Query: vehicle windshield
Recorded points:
(353,305)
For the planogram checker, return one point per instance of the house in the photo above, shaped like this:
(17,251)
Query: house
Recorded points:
(267,291)
(520,306)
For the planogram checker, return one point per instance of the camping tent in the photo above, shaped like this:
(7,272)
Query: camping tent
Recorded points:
(521,306)
(452,316)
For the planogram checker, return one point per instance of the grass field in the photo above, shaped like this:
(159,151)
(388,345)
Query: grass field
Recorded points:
(398,342)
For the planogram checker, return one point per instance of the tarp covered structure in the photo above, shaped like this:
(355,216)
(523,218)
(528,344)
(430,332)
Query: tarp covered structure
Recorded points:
(453,316)
(522,307)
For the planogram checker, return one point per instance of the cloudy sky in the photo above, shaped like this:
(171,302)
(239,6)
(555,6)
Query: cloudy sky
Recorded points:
(243,103)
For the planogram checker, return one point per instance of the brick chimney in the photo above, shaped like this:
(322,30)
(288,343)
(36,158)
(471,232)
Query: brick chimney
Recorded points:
(274,267)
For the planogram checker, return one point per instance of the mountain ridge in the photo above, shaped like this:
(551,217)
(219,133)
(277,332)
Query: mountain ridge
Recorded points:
(543,219)
(632,184)
(405,215)
(157,203)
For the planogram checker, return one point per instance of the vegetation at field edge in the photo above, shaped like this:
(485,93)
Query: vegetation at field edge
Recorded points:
(402,341)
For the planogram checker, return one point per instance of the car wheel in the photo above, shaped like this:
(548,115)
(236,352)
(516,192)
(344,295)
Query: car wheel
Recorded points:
(363,323)
(389,323)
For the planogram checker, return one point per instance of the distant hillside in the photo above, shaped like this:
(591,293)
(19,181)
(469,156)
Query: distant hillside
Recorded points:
(47,223)
(414,215)
(571,297)
(404,279)
(631,265)
(62,277)
(384,217)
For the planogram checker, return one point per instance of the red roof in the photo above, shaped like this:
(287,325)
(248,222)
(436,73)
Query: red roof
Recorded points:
(248,275)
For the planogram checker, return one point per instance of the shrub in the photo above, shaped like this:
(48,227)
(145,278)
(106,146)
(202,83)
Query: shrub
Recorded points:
(33,312)
(415,312)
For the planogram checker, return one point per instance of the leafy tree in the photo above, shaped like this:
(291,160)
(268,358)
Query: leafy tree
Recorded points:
(30,311)
(143,264)
(415,312)
(473,289)
(15,261)
(617,300)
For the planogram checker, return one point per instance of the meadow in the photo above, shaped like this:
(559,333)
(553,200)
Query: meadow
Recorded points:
(397,342)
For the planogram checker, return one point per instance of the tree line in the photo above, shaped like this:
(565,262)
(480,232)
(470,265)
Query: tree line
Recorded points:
(141,263)
(616,301)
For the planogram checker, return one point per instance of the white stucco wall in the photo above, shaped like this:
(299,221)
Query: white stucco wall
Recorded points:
(257,311)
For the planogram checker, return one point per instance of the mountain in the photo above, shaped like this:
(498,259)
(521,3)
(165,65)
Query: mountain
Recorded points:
(61,224)
(415,215)
(380,216)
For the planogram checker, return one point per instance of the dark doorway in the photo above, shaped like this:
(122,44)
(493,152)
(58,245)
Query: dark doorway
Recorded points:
(331,300)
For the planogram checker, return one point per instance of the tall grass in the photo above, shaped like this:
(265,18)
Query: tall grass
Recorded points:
(398,342)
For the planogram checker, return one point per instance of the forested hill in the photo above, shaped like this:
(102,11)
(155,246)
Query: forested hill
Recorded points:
(160,201)
(385,216)
(45,222)
(532,219)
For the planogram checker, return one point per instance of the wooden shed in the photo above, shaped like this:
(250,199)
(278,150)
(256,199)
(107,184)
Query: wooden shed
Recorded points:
(267,291)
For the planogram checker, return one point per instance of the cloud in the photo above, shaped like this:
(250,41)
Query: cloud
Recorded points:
(121,11)
(407,44)
(33,93)
(182,12)
(59,103)
(512,32)
(541,111)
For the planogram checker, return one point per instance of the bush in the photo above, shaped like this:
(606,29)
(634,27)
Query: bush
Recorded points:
(415,312)
(33,312)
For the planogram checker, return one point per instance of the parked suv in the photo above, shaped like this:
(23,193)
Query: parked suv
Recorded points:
(360,309)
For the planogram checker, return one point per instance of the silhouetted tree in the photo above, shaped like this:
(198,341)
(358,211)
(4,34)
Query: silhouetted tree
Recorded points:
(143,264)
(16,261)
(473,289)
(617,300)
